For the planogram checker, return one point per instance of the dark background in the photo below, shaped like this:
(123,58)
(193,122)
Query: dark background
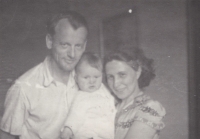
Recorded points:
(167,30)
(194,67)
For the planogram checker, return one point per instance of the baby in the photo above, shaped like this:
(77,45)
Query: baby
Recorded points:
(93,111)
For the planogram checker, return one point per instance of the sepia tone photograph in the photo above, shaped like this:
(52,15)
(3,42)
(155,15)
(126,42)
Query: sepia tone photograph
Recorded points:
(99,69)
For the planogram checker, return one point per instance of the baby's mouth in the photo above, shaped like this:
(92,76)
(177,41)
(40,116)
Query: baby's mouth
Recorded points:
(92,87)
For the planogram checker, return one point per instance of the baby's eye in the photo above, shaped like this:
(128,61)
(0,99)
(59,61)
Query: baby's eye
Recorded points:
(86,77)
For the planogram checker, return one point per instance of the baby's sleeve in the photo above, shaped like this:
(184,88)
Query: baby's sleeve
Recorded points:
(77,113)
(152,114)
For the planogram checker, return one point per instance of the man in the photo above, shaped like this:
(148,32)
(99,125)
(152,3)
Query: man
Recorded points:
(37,104)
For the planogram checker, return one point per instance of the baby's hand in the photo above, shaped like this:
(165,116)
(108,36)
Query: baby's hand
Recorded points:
(66,133)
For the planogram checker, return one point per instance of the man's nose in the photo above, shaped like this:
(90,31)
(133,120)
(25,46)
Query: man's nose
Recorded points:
(71,52)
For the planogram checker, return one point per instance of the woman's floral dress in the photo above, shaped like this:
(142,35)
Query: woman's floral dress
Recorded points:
(142,109)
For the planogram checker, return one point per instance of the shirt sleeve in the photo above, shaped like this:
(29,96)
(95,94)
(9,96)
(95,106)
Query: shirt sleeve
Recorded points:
(14,111)
(152,114)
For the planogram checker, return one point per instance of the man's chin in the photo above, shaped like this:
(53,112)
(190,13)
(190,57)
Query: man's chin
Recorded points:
(68,69)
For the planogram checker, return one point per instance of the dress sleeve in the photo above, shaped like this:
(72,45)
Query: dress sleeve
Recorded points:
(152,114)
(14,111)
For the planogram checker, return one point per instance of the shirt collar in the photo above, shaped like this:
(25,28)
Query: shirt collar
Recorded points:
(71,81)
(48,79)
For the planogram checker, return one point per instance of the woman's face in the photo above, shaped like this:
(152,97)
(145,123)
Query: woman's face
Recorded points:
(122,78)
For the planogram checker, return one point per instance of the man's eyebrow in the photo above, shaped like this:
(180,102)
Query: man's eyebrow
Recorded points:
(65,43)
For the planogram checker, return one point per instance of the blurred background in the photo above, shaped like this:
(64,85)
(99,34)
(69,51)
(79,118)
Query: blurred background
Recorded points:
(163,29)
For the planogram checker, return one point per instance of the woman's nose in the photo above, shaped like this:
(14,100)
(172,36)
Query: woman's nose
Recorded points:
(116,82)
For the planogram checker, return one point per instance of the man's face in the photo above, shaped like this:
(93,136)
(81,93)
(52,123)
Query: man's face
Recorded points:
(67,45)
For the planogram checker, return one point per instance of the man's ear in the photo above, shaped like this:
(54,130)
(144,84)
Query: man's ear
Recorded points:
(138,72)
(49,41)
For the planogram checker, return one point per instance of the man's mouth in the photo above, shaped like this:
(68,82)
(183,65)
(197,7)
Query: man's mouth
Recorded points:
(119,90)
(69,61)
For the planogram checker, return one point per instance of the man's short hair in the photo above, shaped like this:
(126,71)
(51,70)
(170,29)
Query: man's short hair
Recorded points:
(74,18)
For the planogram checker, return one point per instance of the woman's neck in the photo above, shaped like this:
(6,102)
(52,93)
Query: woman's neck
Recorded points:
(57,73)
(130,99)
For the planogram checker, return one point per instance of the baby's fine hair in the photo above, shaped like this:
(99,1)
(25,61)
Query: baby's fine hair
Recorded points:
(92,59)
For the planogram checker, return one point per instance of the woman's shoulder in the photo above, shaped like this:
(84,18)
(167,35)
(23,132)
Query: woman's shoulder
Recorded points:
(150,106)
(154,108)
(150,112)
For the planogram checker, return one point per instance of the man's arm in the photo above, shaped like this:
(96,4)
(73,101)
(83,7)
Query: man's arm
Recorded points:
(5,135)
(14,112)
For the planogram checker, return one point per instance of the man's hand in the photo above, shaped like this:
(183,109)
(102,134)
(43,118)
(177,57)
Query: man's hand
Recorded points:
(66,133)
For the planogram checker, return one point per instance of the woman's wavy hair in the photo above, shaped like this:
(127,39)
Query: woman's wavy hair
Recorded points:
(134,57)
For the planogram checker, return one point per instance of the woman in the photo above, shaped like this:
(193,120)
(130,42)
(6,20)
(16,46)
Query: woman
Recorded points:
(138,116)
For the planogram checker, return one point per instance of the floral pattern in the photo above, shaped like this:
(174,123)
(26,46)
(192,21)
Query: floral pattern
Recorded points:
(142,109)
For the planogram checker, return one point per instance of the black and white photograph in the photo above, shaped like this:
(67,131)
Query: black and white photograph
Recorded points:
(99,69)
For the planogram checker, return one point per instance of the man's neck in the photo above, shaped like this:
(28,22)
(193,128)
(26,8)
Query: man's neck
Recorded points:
(57,73)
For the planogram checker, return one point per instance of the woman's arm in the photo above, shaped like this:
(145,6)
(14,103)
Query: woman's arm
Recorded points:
(140,130)
(147,121)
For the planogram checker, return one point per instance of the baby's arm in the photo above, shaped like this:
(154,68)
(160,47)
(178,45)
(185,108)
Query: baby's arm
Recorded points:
(76,114)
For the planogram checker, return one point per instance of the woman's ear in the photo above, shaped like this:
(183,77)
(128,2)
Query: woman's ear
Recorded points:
(138,72)
(49,41)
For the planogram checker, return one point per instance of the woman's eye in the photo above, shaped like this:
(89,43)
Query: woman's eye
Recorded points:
(86,77)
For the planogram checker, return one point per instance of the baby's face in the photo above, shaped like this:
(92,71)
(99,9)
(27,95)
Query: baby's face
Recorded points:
(88,78)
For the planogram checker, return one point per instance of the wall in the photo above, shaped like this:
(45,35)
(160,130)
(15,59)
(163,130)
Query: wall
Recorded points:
(161,33)
(163,36)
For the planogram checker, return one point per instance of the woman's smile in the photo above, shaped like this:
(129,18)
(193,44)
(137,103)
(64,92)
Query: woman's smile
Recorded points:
(121,78)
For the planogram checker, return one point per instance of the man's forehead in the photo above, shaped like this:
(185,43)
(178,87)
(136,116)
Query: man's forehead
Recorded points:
(62,24)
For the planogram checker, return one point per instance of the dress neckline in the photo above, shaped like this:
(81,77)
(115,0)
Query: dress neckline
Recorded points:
(132,104)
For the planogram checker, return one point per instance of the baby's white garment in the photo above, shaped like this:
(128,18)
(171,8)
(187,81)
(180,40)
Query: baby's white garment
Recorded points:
(92,115)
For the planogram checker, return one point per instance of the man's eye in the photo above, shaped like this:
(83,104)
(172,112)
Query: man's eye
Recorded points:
(86,77)
(64,45)
(109,77)
(78,46)
(122,75)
